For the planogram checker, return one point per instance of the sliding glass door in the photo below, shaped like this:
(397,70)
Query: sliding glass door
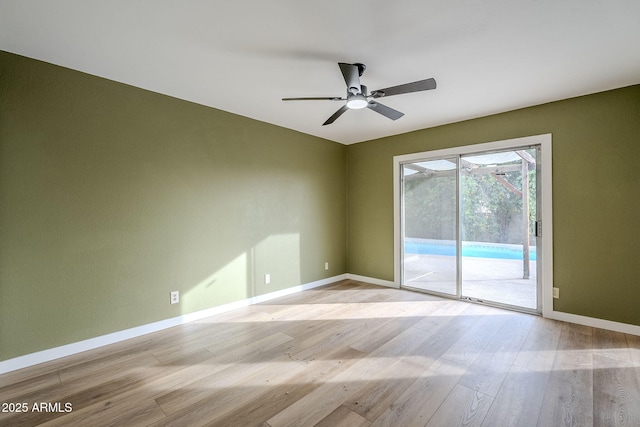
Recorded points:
(497,215)
(430,225)
(467,226)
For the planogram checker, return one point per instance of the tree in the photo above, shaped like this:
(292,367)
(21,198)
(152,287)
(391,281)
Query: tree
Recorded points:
(490,211)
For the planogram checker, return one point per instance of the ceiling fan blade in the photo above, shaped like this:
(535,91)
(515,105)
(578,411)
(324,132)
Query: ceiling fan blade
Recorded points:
(418,86)
(333,98)
(336,115)
(385,111)
(351,76)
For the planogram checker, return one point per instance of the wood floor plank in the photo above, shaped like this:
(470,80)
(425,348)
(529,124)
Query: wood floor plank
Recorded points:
(476,338)
(377,394)
(343,417)
(142,414)
(616,402)
(319,403)
(463,407)
(569,396)
(633,344)
(349,353)
(611,344)
(377,337)
(180,374)
(13,392)
(518,402)
(320,342)
(494,362)
(345,388)
(214,397)
(539,349)
(579,329)
(276,398)
(80,399)
(423,398)
(226,374)
(177,376)
(409,354)
(92,373)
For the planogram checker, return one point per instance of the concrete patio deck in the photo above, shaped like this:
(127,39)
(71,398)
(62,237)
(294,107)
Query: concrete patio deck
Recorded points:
(488,279)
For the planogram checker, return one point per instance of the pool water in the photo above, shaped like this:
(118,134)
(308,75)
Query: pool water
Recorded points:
(469,249)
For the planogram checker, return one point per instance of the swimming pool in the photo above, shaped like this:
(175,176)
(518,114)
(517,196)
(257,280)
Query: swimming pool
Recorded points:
(469,249)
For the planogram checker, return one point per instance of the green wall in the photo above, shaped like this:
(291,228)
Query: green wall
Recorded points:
(596,196)
(112,196)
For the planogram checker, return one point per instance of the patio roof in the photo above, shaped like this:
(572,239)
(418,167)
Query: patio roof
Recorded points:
(492,163)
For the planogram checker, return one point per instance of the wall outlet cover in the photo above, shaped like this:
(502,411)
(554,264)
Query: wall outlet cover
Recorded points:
(175,297)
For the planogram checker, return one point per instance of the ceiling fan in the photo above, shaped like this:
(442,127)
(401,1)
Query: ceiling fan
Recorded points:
(357,96)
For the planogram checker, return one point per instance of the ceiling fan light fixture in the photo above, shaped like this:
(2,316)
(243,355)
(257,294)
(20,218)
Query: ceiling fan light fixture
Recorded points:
(357,102)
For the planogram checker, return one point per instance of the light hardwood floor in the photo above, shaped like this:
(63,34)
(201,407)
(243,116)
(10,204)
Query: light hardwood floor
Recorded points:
(347,354)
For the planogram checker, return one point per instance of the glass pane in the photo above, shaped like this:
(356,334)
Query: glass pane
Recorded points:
(430,216)
(498,211)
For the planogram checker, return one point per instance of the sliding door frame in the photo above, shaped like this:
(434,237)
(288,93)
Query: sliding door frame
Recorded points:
(546,213)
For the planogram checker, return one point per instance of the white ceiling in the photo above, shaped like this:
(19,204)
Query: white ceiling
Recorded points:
(240,56)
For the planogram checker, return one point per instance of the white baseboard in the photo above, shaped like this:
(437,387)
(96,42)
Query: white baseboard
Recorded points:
(556,315)
(92,343)
(595,322)
(89,344)
(372,280)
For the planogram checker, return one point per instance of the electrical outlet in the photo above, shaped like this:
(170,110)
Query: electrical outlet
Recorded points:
(556,293)
(175,297)
(267,279)
(326,265)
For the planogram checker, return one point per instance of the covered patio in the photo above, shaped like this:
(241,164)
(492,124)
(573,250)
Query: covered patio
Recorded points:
(489,202)
(487,279)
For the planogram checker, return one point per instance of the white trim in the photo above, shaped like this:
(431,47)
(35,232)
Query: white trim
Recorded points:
(555,315)
(397,222)
(92,343)
(595,322)
(546,213)
(546,216)
(373,281)
(474,148)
